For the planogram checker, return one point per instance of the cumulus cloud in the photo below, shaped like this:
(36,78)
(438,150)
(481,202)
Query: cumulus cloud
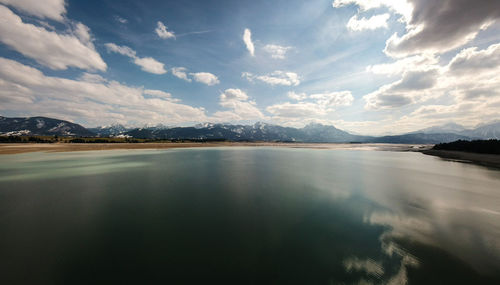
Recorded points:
(233,95)
(310,106)
(433,26)
(205,78)
(123,50)
(276,51)
(277,77)
(416,62)
(469,76)
(296,110)
(402,7)
(241,108)
(202,77)
(440,26)
(471,60)
(91,77)
(297,96)
(50,9)
(331,99)
(473,74)
(466,86)
(150,65)
(247,39)
(409,89)
(372,23)
(162,32)
(181,72)
(92,102)
(54,50)
(147,64)
(160,94)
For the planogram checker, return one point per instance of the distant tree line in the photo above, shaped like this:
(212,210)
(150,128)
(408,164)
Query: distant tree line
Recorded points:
(477,146)
(102,140)
(26,139)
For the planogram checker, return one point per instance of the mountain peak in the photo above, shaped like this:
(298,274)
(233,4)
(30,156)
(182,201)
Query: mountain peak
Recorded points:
(450,127)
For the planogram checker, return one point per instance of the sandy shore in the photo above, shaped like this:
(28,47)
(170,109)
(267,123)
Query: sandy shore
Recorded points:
(64,147)
(489,160)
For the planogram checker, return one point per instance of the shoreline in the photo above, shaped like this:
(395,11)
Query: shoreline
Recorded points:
(488,160)
(16,148)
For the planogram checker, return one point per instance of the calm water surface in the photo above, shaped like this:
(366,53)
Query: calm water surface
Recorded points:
(247,216)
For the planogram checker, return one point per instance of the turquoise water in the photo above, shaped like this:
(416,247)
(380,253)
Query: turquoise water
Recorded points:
(247,216)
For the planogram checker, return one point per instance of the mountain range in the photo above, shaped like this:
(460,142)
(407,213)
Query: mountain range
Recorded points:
(41,126)
(257,132)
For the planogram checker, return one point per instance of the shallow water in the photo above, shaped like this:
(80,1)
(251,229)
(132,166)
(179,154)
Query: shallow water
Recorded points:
(247,215)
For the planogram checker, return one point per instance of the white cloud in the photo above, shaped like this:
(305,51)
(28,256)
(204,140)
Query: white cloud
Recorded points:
(471,61)
(440,26)
(374,22)
(402,7)
(276,51)
(180,72)
(416,62)
(233,95)
(277,77)
(247,39)
(297,96)
(296,110)
(162,32)
(202,77)
(160,94)
(92,78)
(51,9)
(56,51)
(433,26)
(150,65)
(205,78)
(310,107)
(120,19)
(147,64)
(26,90)
(411,88)
(241,108)
(123,50)
(465,91)
(331,99)
(473,74)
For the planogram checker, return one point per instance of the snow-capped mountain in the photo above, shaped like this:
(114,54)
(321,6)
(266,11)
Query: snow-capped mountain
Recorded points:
(485,131)
(443,129)
(109,131)
(41,126)
(256,132)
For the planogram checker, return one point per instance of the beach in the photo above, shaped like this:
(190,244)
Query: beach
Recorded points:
(14,148)
(489,160)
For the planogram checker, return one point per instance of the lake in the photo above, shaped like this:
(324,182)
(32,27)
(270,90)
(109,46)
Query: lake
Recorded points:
(247,216)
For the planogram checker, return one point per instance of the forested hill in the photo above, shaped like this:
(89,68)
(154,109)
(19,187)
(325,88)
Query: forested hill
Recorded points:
(477,146)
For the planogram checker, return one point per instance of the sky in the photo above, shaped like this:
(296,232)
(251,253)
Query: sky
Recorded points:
(367,66)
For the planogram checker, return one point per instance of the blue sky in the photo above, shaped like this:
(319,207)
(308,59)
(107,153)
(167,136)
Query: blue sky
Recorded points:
(371,67)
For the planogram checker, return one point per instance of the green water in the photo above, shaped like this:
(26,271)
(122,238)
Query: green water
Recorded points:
(247,216)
